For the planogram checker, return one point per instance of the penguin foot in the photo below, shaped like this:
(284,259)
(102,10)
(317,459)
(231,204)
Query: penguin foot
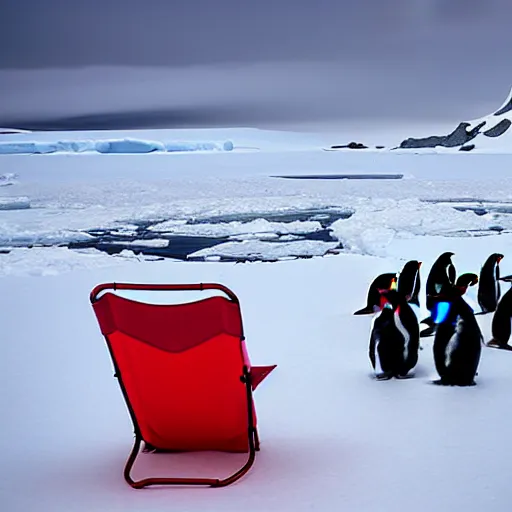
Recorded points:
(498,344)
(442,382)
(383,376)
(466,384)
(405,376)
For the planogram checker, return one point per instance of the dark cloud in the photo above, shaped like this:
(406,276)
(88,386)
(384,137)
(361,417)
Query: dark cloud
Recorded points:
(55,33)
(395,57)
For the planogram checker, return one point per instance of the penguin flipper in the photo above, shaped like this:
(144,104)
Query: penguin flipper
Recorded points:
(367,310)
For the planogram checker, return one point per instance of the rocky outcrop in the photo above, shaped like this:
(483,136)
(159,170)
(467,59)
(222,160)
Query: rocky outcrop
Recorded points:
(351,145)
(499,129)
(460,136)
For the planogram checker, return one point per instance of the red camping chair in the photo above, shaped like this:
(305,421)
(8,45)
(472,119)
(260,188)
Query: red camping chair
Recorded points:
(184,373)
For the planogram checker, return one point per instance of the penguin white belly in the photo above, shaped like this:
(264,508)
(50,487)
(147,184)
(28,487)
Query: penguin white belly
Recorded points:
(497,289)
(404,332)
(378,365)
(453,343)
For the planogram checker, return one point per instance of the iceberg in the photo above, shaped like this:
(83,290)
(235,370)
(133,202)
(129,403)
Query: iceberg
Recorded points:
(110,146)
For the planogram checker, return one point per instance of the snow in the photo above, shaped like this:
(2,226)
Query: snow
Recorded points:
(266,250)
(147,243)
(126,145)
(8,178)
(485,143)
(332,437)
(377,223)
(255,227)
(10,131)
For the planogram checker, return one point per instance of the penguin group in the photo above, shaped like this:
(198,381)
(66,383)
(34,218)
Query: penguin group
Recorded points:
(394,301)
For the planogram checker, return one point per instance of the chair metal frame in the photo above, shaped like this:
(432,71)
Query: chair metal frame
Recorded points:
(246,378)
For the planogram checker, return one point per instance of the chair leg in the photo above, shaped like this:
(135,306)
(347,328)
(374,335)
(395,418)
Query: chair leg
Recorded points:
(146,482)
(254,445)
(131,461)
(256,440)
(211,482)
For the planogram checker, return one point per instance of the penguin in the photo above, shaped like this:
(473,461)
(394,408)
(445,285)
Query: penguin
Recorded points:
(501,325)
(441,274)
(409,282)
(489,291)
(373,300)
(463,282)
(394,337)
(458,340)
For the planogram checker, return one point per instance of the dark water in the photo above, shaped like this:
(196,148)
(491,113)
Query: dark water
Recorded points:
(182,246)
(342,177)
(121,237)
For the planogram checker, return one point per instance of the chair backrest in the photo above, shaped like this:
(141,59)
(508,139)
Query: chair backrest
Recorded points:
(180,367)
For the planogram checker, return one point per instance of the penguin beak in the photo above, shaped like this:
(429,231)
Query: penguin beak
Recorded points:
(420,263)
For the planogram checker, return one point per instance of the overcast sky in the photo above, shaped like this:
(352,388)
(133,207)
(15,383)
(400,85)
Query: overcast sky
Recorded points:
(450,55)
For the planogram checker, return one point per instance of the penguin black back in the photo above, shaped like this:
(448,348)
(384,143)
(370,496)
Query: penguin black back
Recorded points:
(458,340)
(501,326)
(441,274)
(381,282)
(464,281)
(489,291)
(409,282)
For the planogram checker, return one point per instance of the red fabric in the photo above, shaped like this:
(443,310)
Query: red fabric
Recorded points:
(169,327)
(192,400)
(181,366)
(259,373)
